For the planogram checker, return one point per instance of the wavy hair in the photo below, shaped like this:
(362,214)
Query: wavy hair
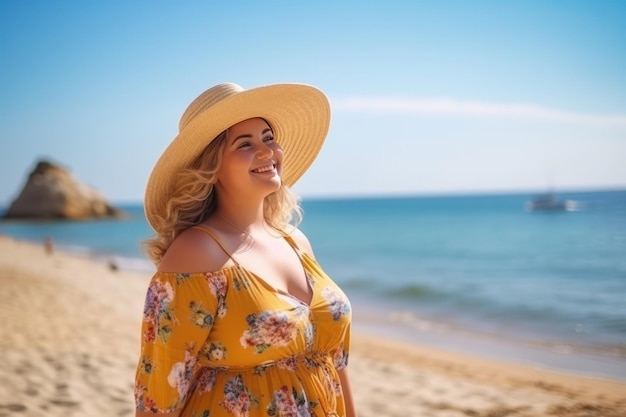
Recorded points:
(193,200)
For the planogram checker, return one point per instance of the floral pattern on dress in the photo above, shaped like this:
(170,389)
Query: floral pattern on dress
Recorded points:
(338,305)
(214,351)
(289,363)
(204,413)
(340,357)
(145,402)
(199,316)
(240,283)
(157,312)
(141,399)
(289,403)
(237,398)
(205,380)
(270,328)
(309,335)
(146,364)
(181,373)
(218,286)
(301,310)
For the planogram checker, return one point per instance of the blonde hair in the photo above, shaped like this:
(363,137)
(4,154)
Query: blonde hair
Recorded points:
(193,200)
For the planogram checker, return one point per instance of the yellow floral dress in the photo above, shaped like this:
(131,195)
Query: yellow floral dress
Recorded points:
(225,343)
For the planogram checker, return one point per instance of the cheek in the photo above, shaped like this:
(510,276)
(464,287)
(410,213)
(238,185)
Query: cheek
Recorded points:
(231,167)
(278,154)
(278,151)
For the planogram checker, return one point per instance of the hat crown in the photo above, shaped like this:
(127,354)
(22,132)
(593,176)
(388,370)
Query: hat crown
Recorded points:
(206,100)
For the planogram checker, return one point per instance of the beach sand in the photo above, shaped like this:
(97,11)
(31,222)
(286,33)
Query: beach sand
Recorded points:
(69,342)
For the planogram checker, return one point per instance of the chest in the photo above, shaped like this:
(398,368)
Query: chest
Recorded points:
(278,264)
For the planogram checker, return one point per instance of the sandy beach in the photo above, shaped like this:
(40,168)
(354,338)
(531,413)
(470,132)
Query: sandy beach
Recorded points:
(69,342)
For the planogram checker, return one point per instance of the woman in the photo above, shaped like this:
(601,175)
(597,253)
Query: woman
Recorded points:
(240,320)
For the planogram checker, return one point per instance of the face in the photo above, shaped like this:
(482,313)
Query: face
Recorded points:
(252,159)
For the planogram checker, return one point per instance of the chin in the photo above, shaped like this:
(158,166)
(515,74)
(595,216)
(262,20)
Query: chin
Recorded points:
(277,184)
(271,186)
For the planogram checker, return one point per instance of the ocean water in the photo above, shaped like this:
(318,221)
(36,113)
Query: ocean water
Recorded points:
(466,272)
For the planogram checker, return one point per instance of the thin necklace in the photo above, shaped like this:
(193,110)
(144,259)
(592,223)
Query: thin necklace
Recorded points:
(248,240)
(245,232)
(228,222)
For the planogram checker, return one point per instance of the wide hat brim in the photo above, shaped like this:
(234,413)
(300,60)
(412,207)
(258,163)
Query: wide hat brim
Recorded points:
(299,115)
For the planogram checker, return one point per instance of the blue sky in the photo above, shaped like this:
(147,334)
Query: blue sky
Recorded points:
(427,96)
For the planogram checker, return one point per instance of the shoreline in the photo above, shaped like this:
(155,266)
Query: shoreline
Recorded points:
(409,327)
(70,341)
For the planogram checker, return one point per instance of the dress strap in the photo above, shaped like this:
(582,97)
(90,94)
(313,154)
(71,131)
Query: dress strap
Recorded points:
(291,242)
(217,240)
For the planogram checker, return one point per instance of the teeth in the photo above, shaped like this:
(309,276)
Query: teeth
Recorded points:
(264,169)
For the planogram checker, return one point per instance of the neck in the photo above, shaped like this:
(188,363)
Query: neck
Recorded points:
(241,218)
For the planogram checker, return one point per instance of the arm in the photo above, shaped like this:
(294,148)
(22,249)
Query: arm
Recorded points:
(344,376)
(172,333)
(178,315)
(191,251)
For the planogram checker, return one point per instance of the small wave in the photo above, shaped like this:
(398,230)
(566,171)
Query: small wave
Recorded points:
(415,291)
(416,322)
(359,284)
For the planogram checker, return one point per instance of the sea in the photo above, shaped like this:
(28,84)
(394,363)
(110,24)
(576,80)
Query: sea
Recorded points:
(477,274)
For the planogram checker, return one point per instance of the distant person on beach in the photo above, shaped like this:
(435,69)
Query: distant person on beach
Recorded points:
(48,245)
(240,319)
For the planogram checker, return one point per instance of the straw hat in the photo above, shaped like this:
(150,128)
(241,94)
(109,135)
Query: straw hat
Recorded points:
(298,114)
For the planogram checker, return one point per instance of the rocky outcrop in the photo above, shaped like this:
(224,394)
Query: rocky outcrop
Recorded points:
(51,192)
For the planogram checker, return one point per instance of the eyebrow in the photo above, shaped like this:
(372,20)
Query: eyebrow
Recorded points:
(248,135)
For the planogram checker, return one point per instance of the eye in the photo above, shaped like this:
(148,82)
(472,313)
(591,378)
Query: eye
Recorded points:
(243,145)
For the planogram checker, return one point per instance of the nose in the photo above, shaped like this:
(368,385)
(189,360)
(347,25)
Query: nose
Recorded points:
(265,152)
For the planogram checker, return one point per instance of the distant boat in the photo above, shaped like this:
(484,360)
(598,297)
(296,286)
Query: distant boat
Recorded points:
(550,202)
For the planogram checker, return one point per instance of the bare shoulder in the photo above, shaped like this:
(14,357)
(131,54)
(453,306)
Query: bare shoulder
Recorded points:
(302,241)
(193,251)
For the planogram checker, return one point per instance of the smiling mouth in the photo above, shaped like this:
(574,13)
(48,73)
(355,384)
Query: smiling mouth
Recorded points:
(264,169)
